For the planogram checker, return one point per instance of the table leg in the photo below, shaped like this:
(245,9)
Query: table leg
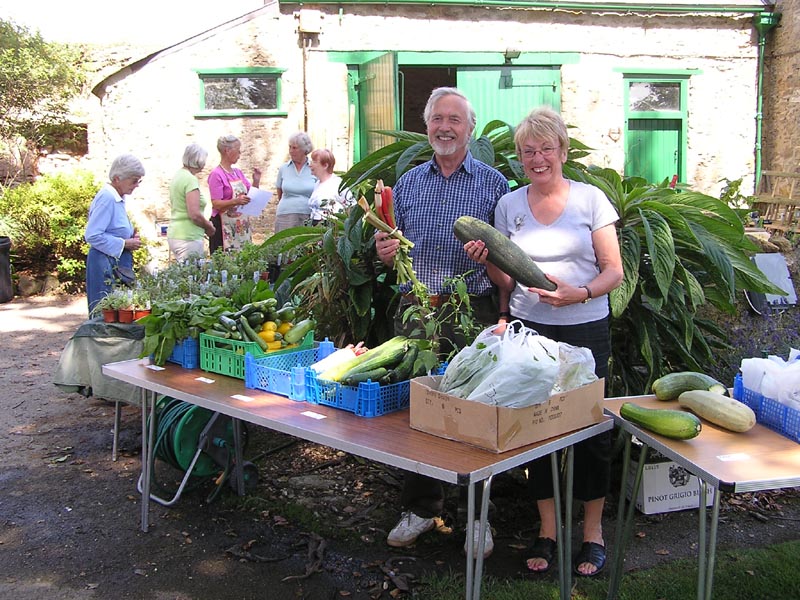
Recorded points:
(556,473)
(475,565)
(625,521)
(145,475)
(470,520)
(566,590)
(238,456)
(115,439)
(707,550)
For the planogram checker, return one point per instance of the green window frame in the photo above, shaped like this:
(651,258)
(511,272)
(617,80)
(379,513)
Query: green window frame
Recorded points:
(259,91)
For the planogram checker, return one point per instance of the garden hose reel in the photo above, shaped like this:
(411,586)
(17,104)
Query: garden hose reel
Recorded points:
(201,443)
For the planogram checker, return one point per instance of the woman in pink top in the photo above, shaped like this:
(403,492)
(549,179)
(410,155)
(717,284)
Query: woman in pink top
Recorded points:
(228,188)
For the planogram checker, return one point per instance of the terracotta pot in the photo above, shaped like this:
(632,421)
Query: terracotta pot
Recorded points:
(140,312)
(110,315)
(125,315)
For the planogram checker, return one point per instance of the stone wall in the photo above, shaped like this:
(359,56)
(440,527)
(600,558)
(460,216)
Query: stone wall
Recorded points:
(151,112)
(781,123)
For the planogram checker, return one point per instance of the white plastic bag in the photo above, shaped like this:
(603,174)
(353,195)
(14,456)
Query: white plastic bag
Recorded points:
(525,370)
(576,368)
(468,368)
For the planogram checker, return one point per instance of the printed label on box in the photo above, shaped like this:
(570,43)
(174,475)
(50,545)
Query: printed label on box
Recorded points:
(666,487)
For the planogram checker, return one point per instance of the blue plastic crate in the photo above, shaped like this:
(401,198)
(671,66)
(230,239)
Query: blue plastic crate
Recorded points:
(369,399)
(186,353)
(773,414)
(284,374)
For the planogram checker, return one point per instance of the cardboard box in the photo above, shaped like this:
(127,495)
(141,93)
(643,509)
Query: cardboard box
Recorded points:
(497,428)
(666,487)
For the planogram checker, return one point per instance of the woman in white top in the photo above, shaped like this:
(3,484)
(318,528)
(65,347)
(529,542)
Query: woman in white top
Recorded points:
(326,199)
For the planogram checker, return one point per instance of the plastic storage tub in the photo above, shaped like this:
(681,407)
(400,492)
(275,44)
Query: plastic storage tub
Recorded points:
(226,357)
(284,374)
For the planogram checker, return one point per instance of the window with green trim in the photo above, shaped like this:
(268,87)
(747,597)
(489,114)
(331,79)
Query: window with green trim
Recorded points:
(241,91)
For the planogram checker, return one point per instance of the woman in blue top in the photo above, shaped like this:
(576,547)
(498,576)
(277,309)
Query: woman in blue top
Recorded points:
(109,232)
(295,184)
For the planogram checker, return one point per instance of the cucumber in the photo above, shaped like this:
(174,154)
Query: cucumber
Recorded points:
(503,253)
(373,375)
(299,331)
(718,409)
(674,424)
(672,385)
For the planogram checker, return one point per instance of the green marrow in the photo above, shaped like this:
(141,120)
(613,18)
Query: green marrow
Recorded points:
(299,331)
(672,385)
(675,424)
(503,253)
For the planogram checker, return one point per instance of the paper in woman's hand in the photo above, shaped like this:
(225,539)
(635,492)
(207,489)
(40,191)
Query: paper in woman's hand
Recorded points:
(258,202)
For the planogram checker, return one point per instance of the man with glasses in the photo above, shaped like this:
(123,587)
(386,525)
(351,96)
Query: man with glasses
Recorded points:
(428,200)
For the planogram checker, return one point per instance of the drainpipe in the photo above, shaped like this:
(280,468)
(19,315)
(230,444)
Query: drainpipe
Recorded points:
(763,23)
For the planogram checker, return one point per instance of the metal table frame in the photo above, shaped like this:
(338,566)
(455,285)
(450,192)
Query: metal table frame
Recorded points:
(757,460)
(387,439)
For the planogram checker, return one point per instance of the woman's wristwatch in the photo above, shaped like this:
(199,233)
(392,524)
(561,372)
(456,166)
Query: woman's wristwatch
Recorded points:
(588,294)
(504,314)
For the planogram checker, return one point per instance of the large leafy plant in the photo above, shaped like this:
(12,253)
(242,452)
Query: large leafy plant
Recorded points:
(335,272)
(680,249)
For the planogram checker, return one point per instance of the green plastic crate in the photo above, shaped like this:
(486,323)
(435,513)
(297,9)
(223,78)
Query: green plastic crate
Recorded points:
(226,357)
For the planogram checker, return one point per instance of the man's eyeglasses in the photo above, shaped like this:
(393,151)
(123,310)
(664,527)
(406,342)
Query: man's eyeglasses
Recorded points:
(546,151)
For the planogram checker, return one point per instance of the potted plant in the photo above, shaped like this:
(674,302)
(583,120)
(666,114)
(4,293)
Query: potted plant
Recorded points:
(110,304)
(140,301)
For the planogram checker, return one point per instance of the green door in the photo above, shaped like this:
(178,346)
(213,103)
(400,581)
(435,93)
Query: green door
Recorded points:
(652,149)
(377,101)
(509,93)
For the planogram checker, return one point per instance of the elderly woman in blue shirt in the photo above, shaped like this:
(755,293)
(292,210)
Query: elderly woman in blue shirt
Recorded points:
(111,236)
(295,184)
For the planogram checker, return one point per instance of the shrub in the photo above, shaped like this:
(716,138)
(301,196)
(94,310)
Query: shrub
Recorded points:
(46,221)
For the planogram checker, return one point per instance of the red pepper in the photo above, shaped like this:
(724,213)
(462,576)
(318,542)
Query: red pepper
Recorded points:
(387,202)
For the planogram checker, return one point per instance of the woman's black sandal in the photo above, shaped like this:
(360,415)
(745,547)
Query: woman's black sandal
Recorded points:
(591,553)
(545,549)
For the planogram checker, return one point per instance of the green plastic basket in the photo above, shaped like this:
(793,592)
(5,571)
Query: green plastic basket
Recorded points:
(226,357)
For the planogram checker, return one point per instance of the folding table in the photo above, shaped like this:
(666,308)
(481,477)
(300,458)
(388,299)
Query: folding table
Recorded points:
(387,439)
(759,459)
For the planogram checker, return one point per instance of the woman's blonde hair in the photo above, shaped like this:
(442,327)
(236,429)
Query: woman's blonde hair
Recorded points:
(324,157)
(542,123)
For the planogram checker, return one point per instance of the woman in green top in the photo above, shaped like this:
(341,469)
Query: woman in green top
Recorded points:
(188,225)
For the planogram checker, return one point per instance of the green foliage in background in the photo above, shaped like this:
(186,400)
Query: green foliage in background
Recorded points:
(46,221)
(37,81)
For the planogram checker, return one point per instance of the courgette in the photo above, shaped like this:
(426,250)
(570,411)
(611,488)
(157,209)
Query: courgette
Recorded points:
(672,385)
(287,313)
(503,253)
(675,424)
(373,375)
(299,331)
(217,333)
(229,322)
(256,318)
(718,409)
(252,335)
(403,369)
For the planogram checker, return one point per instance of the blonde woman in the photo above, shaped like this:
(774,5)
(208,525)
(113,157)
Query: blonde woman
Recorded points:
(188,225)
